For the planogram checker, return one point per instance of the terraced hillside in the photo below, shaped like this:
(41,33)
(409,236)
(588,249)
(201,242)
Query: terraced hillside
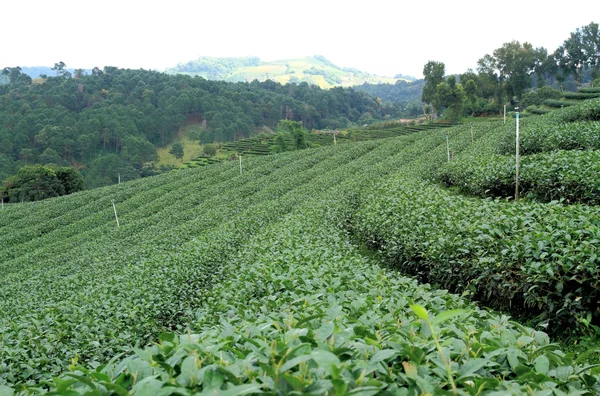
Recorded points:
(259,282)
(266,144)
(568,99)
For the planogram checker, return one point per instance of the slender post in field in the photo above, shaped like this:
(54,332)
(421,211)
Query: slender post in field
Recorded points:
(115,209)
(447,146)
(517,159)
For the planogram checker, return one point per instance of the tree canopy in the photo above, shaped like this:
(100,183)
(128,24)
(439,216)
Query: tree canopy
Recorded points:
(37,182)
(79,118)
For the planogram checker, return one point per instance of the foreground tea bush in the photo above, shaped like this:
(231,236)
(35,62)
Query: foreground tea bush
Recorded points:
(300,310)
(534,260)
(218,282)
(570,176)
(574,128)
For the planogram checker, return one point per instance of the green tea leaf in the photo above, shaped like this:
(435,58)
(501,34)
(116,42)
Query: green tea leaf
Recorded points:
(542,365)
(420,311)
(447,315)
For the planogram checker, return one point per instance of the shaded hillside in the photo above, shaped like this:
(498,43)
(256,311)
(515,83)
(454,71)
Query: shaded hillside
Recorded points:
(112,121)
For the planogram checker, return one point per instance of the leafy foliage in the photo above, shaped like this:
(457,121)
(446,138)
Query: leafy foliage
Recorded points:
(560,160)
(531,259)
(177,150)
(129,113)
(267,293)
(569,176)
(37,182)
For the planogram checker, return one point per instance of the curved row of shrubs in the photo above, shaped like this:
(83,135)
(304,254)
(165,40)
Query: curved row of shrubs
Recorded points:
(301,311)
(531,259)
(542,134)
(570,176)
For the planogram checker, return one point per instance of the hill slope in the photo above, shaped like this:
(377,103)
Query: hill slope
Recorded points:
(114,121)
(257,282)
(315,70)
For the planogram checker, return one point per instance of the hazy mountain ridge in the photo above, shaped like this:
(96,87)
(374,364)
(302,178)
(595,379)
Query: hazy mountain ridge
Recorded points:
(312,69)
(37,71)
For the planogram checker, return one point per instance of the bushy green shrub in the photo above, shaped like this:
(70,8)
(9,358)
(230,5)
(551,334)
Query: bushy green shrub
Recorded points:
(535,260)
(570,176)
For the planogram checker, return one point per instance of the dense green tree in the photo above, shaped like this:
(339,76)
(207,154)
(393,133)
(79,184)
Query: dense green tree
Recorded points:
(50,156)
(280,143)
(209,149)
(538,97)
(106,170)
(516,63)
(70,178)
(450,96)
(400,92)
(132,112)
(591,46)
(59,68)
(177,150)
(433,73)
(297,132)
(6,74)
(581,50)
(37,182)
(570,56)
(15,76)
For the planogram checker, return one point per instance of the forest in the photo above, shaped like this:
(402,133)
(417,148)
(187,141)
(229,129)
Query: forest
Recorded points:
(406,94)
(111,121)
(516,74)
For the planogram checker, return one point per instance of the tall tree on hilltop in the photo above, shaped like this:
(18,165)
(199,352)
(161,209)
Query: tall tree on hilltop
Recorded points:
(570,56)
(579,51)
(6,74)
(591,46)
(59,68)
(516,63)
(433,74)
(450,96)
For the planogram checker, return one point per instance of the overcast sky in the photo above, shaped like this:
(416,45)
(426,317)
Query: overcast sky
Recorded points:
(381,37)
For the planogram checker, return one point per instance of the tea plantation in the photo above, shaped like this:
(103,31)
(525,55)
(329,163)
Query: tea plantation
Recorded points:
(288,279)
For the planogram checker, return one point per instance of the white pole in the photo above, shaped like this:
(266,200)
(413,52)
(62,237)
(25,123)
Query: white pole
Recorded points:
(119,178)
(116,217)
(517,160)
(505,114)
(448,147)
(334,142)
(240,164)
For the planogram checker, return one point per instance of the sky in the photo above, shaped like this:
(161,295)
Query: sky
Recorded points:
(379,37)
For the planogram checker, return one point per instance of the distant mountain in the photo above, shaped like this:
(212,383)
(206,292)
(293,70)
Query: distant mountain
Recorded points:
(315,70)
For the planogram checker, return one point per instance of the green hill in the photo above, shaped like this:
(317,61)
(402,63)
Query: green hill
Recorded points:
(285,276)
(315,70)
(115,121)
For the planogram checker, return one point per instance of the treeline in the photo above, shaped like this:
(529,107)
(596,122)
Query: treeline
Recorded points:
(111,121)
(214,68)
(512,73)
(406,94)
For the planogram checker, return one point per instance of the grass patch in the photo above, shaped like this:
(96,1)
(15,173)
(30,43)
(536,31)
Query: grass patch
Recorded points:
(191,149)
